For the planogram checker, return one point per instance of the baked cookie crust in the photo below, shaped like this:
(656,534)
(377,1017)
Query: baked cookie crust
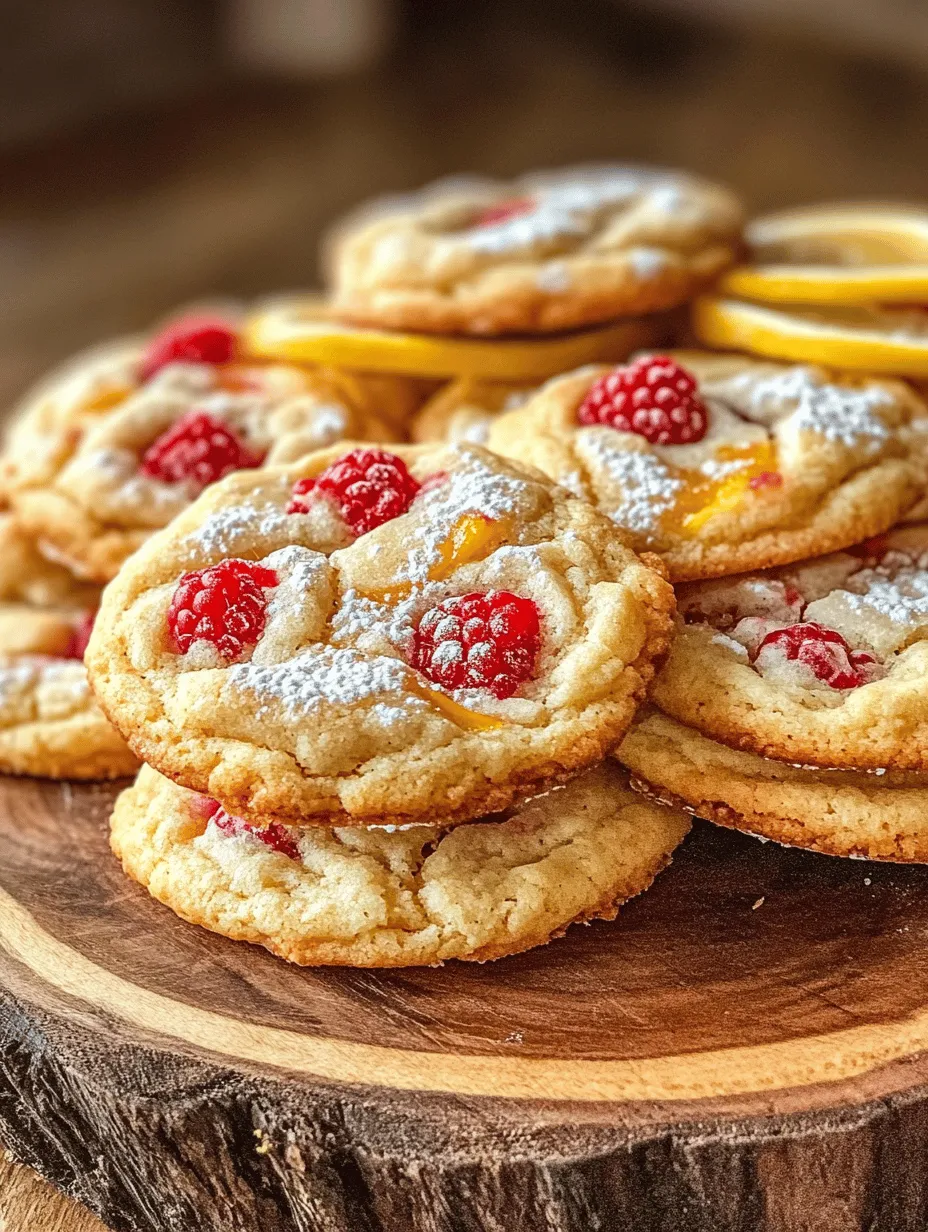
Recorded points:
(73,470)
(464,410)
(837,812)
(51,726)
(796,461)
(551,251)
(326,722)
(723,679)
(372,898)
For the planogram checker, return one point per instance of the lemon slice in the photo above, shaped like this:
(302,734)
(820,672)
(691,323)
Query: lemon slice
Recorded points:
(841,254)
(299,331)
(892,341)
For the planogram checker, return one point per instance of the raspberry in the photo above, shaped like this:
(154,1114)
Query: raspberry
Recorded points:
(653,397)
(224,605)
(824,652)
(766,479)
(80,635)
(275,836)
(504,211)
(369,486)
(199,449)
(478,641)
(190,340)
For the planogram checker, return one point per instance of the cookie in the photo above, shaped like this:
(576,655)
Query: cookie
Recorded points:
(368,637)
(47,424)
(43,608)
(721,463)
(551,251)
(25,629)
(374,898)
(838,812)
(92,484)
(464,410)
(50,724)
(823,663)
(26,576)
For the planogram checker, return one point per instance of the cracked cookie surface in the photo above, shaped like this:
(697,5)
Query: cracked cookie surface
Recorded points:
(371,897)
(491,640)
(785,461)
(822,663)
(551,251)
(81,465)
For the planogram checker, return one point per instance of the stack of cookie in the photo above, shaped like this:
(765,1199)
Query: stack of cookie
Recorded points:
(794,702)
(378,687)
(100,455)
(50,724)
(791,702)
(493,287)
(375,692)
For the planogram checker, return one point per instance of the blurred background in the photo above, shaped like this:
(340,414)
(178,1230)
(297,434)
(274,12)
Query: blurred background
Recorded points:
(151,153)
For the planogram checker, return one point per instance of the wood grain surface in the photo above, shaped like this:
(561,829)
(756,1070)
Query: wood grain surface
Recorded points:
(744,1049)
(29,1204)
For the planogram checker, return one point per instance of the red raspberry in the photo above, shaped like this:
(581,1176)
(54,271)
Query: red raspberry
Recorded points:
(198,449)
(653,397)
(80,635)
(504,211)
(275,836)
(190,340)
(369,486)
(224,605)
(824,652)
(766,479)
(478,642)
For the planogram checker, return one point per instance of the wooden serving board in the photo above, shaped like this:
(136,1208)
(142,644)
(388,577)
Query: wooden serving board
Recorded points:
(743,1051)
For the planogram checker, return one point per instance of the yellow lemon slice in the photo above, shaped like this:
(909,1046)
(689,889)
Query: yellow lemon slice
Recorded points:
(299,331)
(891,341)
(841,254)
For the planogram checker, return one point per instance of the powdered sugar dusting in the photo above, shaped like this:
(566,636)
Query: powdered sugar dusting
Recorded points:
(903,601)
(839,413)
(361,622)
(236,528)
(58,686)
(899,593)
(471,488)
(647,263)
(477,432)
(554,276)
(327,675)
(647,487)
(329,423)
(301,568)
(528,231)
(564,209)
